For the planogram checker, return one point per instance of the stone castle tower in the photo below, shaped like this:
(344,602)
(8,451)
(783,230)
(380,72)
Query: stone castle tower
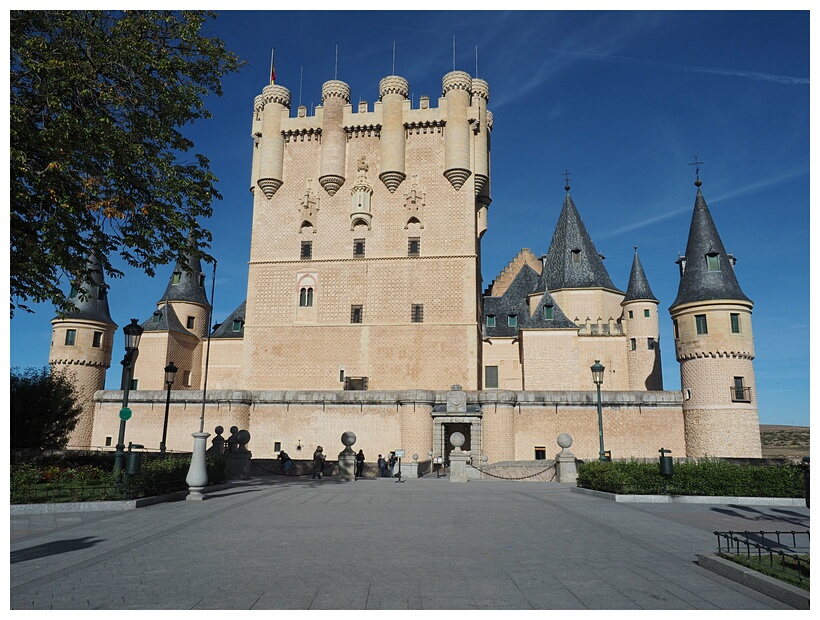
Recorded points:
(640,320)
(365,261)
(714,345)
(81,346)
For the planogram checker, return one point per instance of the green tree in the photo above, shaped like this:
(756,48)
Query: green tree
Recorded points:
(98,99)
(44,408)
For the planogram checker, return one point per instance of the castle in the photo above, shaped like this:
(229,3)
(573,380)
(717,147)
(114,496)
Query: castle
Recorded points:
(364,307)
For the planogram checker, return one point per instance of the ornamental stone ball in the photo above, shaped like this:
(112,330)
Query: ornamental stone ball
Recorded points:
(219,430)
(243,437)
(457,439)
(348,438)
(565,440)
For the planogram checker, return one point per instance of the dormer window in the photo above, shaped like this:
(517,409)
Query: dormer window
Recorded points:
(201,279)
(74,291)
(512,321)
(712,261)
(176,277)
(576,256)
(237,325)
(549,313)
(157,317)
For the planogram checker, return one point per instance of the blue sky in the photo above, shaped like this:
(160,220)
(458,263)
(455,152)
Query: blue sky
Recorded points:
(622,100)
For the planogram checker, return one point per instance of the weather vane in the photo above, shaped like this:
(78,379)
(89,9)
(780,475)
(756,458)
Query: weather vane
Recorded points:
(566,179)
(697,170)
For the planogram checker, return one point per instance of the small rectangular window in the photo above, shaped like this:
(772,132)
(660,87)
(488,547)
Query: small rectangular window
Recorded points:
(490,377)
(646,313)
(548,313)
(186,378)
(307,250)
(739,391)
(108,441)
(237,325)
(650,344)
(277,446)
(677,333)
(490,320)
(630,314)
(712,262)
(417,313)
(540,453)
(70,337)
(190,322)
(134,383)
(97,340)
(735,320)
(512,321)
(355,314)
(576,256)
(201,279)
(700,324)
(413,246)
(358,248)
(73,292)
(101,293)
(176,277)
(633,344)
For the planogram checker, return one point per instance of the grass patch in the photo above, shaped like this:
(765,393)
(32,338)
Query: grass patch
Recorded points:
(785,568)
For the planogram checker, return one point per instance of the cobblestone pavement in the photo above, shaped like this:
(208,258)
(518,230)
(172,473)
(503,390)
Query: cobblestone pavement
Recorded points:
(272,543)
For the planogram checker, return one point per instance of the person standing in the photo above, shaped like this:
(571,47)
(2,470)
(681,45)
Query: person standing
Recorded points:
(382,466)
(359,464)
(392,462)
(318,463)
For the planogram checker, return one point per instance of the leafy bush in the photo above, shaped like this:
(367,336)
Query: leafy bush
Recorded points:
(707,477)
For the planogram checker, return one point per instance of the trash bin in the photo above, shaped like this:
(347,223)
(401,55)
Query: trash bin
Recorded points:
(133,461)
(666,463)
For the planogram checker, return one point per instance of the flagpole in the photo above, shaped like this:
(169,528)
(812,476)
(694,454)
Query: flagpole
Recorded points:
(272,70)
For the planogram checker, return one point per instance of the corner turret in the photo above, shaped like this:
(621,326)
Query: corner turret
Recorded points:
(640,323)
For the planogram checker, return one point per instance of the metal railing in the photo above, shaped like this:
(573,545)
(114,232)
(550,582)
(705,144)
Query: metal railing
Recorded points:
(740,394)
(784,552)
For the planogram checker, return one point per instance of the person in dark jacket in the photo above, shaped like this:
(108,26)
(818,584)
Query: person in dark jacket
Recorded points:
(318,462)
(287,462)
(382,466)
(391,462)
(360,464)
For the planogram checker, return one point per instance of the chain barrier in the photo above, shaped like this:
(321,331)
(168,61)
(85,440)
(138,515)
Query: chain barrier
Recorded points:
(543,471)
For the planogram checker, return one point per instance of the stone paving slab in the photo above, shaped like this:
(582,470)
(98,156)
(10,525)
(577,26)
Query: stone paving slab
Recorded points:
(278,543)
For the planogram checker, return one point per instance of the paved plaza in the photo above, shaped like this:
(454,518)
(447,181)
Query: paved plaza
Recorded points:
(301,544)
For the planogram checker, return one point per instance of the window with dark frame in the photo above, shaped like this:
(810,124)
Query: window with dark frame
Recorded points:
(650,344)
(358,248)
(306,252)
(490,320)
(237,325)
(355,314)
(576,256)
(512,320)
(540,453)
(630,314)
(735,321)
(417,313)
(70,337)
(413,246)
(190,323)
(96,342)
(677,333)
(306,297)
(646,312)
(176,277)
(700,324)
(633,344)
(712,262)
(548,313)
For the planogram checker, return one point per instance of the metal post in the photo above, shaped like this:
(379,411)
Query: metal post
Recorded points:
(165,421)
(601,455)
(127,368)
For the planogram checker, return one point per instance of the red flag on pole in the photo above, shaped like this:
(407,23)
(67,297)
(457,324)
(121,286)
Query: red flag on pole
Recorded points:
(272,68)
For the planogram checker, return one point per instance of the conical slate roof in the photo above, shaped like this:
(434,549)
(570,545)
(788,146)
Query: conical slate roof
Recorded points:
(226,330)
(638,287)
(95,306)
(699,282)
(165,319)
(190,286)
(572,260)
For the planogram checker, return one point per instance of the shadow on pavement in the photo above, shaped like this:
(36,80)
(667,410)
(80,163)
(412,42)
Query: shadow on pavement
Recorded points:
(53,548)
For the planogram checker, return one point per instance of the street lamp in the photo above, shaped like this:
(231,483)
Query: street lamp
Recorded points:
(170,376)
(598,378)
(132,332)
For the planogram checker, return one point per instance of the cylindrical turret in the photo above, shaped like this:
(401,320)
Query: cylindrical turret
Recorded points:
(393,91)
(275,99)
(335,96)
(456,88)
(256,135)
(481,95)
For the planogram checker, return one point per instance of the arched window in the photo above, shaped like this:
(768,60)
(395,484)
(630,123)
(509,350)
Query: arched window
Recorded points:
(306,297)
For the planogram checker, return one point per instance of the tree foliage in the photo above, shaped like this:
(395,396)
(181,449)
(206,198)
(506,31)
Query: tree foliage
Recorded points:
(44,408)
(98,101)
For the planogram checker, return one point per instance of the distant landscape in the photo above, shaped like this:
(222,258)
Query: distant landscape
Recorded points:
(784,441)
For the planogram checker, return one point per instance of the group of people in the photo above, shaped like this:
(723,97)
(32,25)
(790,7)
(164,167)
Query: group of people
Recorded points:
(386,465)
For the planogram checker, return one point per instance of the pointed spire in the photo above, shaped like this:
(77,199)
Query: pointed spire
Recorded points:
(189,285)
(638,287)
(95,306)
(708,272)
(572,260)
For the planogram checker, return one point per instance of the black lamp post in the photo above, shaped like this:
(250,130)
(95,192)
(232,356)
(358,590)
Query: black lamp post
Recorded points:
(132,332)
(598,377)
(170,376)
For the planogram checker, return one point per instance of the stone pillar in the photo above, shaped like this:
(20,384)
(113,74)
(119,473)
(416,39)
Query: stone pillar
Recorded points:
(565,468)
(347,458)
(197,478)
(458,459)
(457,91)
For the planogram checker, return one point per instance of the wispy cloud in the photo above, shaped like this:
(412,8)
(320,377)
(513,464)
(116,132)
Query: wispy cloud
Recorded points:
(749,75)
(742,191)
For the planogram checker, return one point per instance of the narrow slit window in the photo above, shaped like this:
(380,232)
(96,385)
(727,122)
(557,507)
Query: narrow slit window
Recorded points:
(413,246)
(358,248)
(417,313)
(650,344)
(735,321)
(355,314)
(97,340)
(306,252)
